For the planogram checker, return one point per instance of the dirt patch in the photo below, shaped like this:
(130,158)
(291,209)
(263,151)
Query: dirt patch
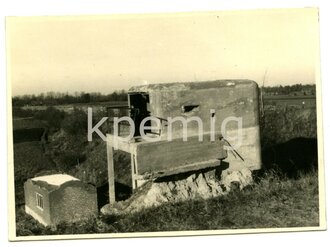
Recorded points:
(200,185)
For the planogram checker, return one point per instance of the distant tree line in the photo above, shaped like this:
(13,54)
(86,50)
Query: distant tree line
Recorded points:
(297,89)
(52,98)
(56,98)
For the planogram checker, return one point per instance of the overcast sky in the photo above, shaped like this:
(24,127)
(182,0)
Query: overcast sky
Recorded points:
(106,53)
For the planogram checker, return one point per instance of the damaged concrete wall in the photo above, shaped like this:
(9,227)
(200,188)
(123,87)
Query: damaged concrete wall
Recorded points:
(228,98)
(73,201)
(237,98)
(164,156)
(68,202)
(42,215)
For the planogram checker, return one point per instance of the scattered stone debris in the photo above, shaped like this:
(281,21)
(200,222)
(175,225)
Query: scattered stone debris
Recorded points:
(180,188)
(242,178)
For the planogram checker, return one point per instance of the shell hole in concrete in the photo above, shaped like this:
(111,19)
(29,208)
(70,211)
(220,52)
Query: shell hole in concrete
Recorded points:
(190,108)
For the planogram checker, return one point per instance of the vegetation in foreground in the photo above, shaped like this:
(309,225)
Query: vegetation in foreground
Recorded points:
(271,202)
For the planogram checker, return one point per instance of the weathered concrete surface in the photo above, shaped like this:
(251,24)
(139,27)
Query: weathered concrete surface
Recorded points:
(161,156)
(238,98)
(200,185)
(67,201)
(249,149)
(228,98)
(164,155)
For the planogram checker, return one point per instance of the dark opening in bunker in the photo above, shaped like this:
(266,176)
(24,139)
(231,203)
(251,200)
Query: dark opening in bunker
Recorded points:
(138,104)
(190,108)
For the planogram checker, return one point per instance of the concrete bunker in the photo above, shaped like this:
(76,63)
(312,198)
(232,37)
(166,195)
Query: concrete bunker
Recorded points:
(57,198)
(213,102)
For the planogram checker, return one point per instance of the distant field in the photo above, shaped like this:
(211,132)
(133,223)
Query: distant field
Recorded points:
(308,101)
(304,101)
(69,107)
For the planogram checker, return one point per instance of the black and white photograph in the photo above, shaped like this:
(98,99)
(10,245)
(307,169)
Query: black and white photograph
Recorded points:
(164,124)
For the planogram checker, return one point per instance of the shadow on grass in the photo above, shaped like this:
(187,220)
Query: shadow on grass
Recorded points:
(292,158)
(122,192)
